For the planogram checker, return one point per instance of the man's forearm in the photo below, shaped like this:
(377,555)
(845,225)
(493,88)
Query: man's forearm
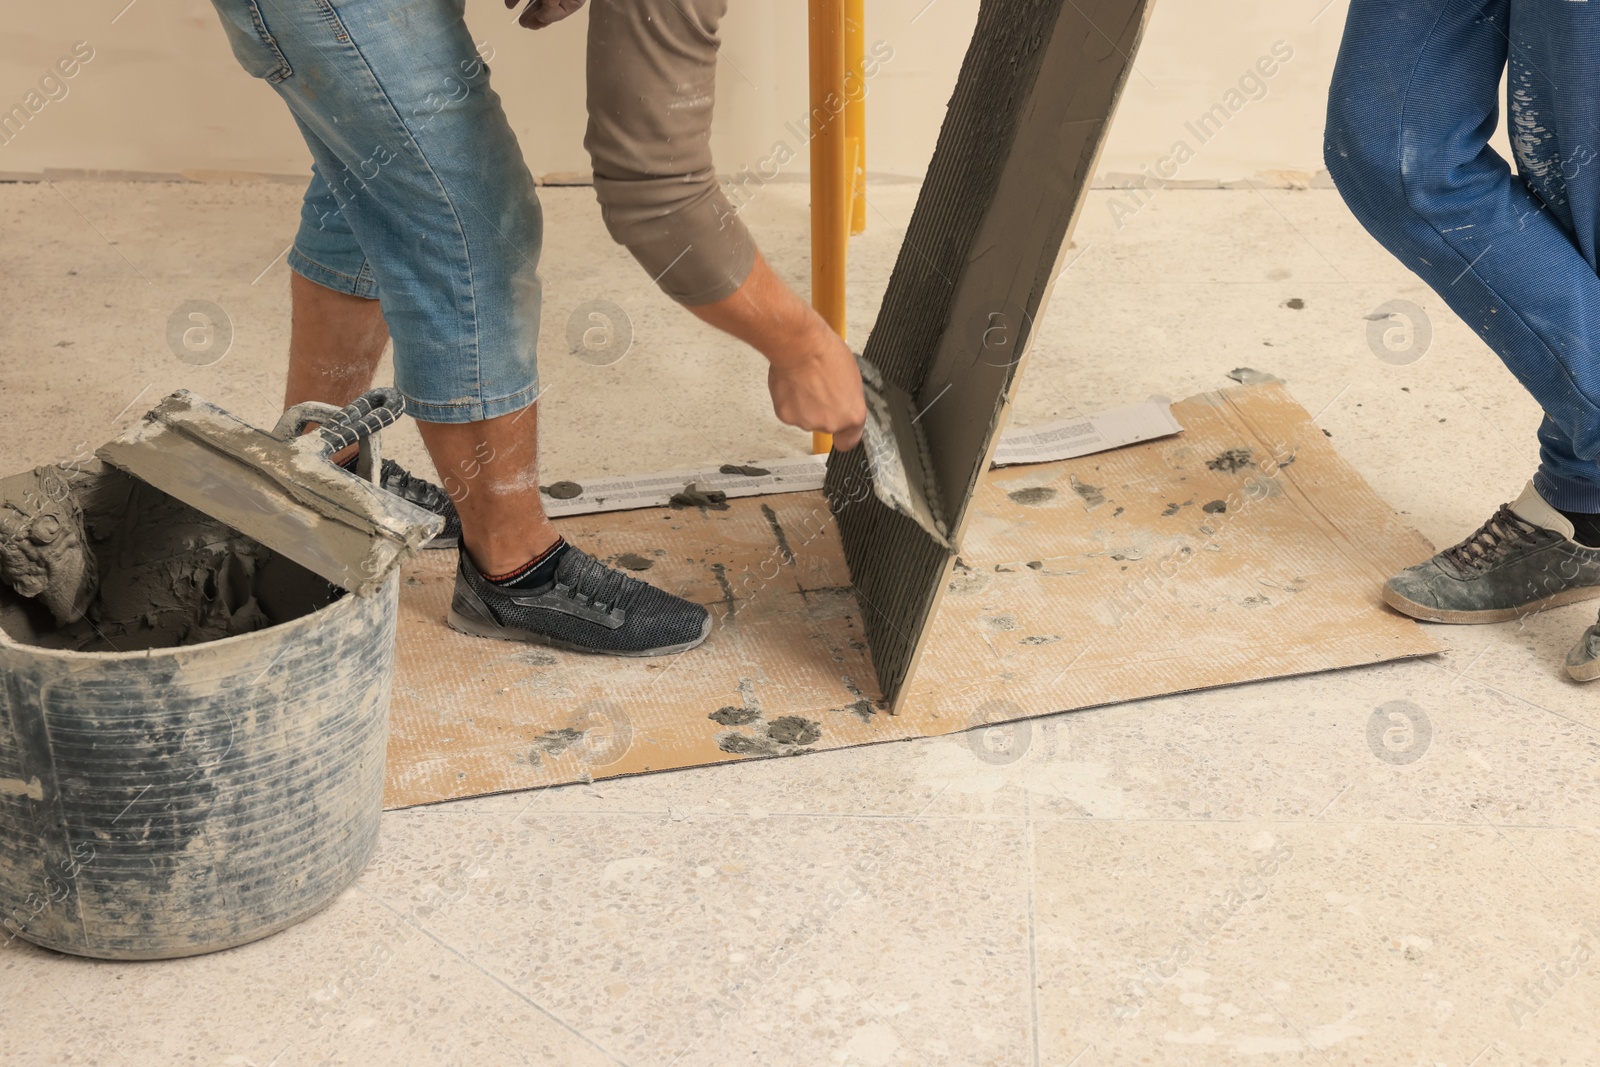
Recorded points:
(768,316)
(651,81)
(814,380)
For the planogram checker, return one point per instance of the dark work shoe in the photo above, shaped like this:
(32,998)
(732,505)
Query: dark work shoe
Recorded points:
(588,608)
(1583,662)
(1521,561)
(423,493)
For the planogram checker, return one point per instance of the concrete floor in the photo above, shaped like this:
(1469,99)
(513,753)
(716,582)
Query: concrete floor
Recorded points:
(1096,901)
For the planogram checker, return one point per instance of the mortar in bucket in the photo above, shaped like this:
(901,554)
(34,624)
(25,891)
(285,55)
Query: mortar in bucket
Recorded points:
(193,719)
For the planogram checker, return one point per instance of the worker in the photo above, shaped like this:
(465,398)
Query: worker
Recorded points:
(421,225)
(1413,103)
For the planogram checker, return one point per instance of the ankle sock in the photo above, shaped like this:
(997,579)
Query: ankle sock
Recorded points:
(537,572)
(1586,528)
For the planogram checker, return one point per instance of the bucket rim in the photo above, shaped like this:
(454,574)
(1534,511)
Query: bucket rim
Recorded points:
(11,644)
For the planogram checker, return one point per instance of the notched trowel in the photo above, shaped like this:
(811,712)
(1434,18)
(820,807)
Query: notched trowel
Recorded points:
(898,460)
(280,488)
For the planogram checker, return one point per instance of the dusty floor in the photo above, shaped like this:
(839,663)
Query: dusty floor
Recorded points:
(1138,884)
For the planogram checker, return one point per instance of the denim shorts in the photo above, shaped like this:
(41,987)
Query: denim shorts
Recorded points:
(419,196)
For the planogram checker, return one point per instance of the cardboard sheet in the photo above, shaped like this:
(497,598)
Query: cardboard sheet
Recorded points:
(1243,549)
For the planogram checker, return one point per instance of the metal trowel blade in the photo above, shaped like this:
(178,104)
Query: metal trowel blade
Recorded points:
(283,494)
(897,454)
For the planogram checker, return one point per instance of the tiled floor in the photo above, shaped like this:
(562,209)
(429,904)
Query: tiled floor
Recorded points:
(1249,875)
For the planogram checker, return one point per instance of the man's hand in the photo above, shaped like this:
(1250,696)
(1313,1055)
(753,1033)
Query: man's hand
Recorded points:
(541,13)
(816,385)
(814,380)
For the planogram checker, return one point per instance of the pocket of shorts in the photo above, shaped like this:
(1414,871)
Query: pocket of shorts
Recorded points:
(253,44)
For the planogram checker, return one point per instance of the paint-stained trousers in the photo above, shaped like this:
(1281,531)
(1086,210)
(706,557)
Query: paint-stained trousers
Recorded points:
(1413,103)
(652,74)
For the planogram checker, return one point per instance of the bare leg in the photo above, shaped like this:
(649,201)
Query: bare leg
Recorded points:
(491,471)
(335,343)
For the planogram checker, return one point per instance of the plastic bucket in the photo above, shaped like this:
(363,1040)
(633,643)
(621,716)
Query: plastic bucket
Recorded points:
(180,800)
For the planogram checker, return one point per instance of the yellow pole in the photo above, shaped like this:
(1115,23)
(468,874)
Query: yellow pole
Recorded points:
(855,113)
(830,194)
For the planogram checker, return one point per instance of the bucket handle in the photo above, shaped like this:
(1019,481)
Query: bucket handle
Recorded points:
(342,427)
(363,417)
(359,421)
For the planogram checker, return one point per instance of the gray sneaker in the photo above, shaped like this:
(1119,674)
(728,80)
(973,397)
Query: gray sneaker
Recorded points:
(1583,662)
(588,608)
(1521,561)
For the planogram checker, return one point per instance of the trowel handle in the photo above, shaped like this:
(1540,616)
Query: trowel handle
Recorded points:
(363,417)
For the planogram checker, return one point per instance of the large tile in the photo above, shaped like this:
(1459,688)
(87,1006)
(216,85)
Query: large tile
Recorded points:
(1310,943)
(712,936)
(359,983)
(1409,742)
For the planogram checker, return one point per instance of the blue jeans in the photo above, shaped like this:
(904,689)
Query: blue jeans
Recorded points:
(419,197)
(1413,102)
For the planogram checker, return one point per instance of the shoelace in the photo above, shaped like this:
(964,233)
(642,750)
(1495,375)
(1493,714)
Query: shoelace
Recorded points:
(401,482)
(1484,548)
(609,587)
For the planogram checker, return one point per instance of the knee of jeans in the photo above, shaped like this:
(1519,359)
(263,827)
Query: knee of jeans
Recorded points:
(1354,144)
(1379,179)
(1365,165)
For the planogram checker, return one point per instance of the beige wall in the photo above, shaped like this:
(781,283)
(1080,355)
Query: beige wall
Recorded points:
(163,94)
